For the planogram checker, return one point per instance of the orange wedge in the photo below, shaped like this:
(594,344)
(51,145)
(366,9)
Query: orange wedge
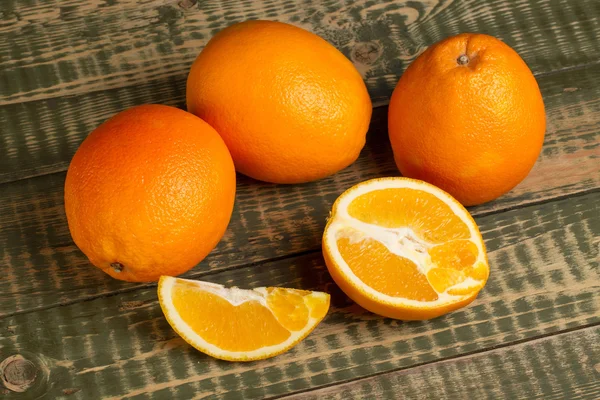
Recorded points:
(404,249)
(236,324)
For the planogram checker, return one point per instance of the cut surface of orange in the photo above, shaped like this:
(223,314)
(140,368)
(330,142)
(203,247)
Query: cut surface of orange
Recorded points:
(236,324)
(404,249)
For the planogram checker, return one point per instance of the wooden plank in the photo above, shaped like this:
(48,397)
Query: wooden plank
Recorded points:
(60,60)
(54,48)
(565,366)
(545,279)
(43,266)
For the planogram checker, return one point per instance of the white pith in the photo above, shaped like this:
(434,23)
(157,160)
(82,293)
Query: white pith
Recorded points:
(400,241)
(236,297)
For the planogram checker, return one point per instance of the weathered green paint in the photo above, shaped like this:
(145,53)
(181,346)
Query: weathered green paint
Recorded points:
(565,366)
(67,65)
(117,345)
(44,267)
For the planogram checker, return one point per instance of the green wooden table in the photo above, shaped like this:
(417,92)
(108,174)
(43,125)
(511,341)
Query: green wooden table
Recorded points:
(69,331)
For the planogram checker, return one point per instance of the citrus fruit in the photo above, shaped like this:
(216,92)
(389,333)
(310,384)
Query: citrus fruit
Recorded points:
(467,116)
(236,324)
(149,192)
(404,249)
(290,107)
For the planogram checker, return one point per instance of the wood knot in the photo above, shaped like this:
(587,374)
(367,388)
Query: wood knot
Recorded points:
(187,4)
(131,305)
(17,373)
(366,53)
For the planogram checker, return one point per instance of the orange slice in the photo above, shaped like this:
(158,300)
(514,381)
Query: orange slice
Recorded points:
(236,324)
(404,249)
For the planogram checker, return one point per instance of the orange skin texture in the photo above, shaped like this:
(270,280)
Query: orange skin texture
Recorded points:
(474,130)
(290,107)
(153,189)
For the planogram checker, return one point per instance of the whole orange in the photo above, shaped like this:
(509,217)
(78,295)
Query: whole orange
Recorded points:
(149,192)
(467,116)
(290,107)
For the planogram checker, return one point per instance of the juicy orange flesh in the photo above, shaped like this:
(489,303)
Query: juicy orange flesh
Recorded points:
(456,254)
(479,272)
(318,307)
(429,217)
(384,271)
(456,259)
(245,327)
(289,308)
(452,256)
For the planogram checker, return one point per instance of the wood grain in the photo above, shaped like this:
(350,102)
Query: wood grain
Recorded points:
(71,47)
(545,279)
(44,268)
(565,366)
(67,65)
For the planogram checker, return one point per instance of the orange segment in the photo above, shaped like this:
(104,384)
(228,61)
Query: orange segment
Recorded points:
(443,278)
(317,308)
(430,218)
(240,325)
(385,272)
(404,249)
(480,271)
(457,254)
(289,307)
(248,326)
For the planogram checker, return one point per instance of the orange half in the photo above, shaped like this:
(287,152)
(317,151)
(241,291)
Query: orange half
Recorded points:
(404,249)
(240,325)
